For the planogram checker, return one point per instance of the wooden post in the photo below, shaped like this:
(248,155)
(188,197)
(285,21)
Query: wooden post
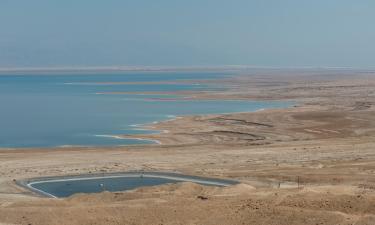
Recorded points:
(298,181)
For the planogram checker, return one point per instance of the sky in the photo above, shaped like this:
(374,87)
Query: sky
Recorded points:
(265,33)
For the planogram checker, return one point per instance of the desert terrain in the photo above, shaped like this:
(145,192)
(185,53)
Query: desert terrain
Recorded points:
(311,164)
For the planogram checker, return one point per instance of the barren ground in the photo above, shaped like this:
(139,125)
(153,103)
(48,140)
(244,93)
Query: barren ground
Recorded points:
(326,142)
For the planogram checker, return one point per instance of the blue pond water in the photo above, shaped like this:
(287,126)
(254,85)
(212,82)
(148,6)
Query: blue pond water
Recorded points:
(65,187)
(58,110)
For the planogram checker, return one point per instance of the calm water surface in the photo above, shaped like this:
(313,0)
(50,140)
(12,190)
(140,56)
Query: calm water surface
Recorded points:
(68,188)
(64,187)
(64,110)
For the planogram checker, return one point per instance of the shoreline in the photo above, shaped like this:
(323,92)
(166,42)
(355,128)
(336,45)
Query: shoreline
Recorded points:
(152,126)
(315,160)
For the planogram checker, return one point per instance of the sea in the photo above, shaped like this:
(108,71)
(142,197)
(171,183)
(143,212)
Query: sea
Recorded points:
(73,109)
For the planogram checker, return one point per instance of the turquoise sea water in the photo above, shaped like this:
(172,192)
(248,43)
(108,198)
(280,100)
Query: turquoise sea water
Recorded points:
(62,110)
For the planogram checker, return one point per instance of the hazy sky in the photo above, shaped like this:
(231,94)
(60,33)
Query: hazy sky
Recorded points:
(279,33)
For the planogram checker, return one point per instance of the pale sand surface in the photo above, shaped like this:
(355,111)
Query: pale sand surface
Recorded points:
(327,142)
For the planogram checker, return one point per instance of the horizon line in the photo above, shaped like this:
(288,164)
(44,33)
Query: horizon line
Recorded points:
(165,68)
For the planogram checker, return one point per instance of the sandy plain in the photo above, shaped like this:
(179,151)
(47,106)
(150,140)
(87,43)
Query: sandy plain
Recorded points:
(313,163)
